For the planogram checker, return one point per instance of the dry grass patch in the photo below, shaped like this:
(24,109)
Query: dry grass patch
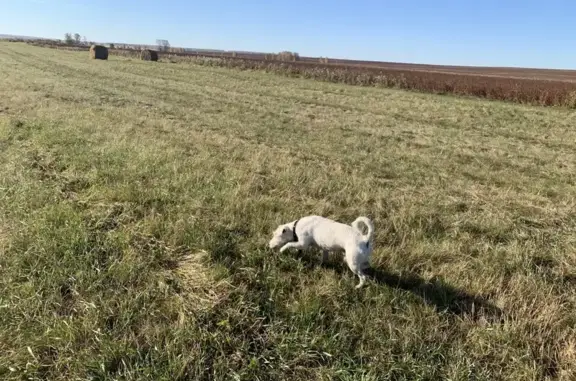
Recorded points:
(199,288)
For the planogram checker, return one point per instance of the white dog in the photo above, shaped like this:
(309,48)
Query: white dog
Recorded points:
(329,235)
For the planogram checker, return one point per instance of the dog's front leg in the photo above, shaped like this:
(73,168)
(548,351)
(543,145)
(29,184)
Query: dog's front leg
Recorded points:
(324,256)
(295,245)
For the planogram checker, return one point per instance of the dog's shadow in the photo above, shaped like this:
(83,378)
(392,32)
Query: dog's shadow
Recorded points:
(434,292)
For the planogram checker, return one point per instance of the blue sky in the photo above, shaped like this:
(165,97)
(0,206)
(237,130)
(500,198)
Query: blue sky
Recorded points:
(466,32)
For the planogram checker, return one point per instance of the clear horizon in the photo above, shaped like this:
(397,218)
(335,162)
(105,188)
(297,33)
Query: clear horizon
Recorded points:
(529,34)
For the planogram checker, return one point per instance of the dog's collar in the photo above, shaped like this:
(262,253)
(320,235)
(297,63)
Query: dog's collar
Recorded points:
(294,235)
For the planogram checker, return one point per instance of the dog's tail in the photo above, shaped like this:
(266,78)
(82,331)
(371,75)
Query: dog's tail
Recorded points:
(369,225)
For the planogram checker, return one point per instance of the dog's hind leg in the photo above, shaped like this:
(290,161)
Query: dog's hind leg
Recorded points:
(362,277)
(357,269)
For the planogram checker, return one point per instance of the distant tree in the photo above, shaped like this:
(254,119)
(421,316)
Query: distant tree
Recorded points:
(77,38)
(84,41)
(163,45)
(111,46)
(288,56)
(68,38)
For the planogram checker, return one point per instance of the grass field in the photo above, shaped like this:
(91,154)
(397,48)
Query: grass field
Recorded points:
(137,198)
(535,87)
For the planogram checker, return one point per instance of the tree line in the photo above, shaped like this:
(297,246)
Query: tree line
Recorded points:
(76,39)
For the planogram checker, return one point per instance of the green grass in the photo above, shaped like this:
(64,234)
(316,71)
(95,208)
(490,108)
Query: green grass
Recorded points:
(137,198)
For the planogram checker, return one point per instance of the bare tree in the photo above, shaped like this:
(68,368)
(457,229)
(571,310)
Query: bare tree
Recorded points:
(163,45)
(68,38)
(77,38)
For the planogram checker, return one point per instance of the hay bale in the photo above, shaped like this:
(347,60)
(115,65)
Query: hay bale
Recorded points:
(98,52)
(148,55)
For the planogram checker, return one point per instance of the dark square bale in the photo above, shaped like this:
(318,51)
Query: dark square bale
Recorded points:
(148,55)
(98,52)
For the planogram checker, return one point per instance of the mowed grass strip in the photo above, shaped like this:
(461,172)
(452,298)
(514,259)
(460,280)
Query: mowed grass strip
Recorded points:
(136,200)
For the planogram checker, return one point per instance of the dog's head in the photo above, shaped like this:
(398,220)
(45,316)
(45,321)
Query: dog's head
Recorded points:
(281,236)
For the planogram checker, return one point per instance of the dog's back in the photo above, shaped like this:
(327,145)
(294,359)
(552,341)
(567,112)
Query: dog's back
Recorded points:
(329,234)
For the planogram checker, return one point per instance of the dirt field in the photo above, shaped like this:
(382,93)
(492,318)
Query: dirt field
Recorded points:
(137,198)
(506,72)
